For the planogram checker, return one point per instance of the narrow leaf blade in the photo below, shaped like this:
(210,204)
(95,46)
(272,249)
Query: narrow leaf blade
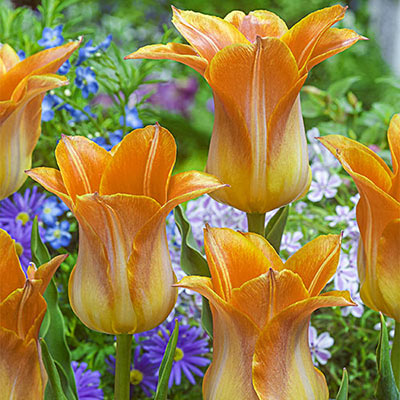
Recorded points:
(344,387)
(276,226)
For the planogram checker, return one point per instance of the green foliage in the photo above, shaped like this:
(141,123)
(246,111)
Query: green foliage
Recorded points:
(344,387)
(275,227)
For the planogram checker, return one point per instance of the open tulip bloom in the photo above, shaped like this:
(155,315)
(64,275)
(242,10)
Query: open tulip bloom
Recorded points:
(261,311)
(378,217)
(256,68)
(22,308)
(122,282)
(22,87)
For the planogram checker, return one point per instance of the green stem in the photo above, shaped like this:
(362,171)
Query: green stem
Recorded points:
(395,356)
(256,223)
(123,367)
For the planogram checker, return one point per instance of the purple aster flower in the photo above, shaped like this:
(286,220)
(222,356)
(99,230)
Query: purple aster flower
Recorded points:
(189,353)
(22,207)
(51,37)
(343,214)
(319,345)
(88,50)
(323,185)
(143,372)
(291,242)
(51,210)
(58,235)
(132,118)
(86,81)
(87,382)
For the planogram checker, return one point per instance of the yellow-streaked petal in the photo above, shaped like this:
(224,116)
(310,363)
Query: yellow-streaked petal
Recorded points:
(282,364)
(12,276)
(8,56)
(206,34)
(142,164)
(52,181)
(257,23)
(332,42)
(82,163)
(182,53)
(316,262)
(229,255)
(267,295)
(305,35)
(387,269)
(20,371)
(394,144)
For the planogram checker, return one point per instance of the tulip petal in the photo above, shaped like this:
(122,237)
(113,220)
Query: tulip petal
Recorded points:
(206,34)
(257,23)
(388,267)
(8,56)
(82,163)
(182,53)
(316,262)
(148,172)
(11,273)
(267,295)
(229,255)
(332,42)
(282,364)
(394,144)
(303,37)
(20,371)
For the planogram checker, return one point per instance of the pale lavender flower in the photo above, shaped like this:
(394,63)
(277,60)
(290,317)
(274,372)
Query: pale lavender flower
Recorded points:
(356,311)
(300,206)
(291,242)
(343,214)
(323,185)
(320,157)
(346,274)
(319,345)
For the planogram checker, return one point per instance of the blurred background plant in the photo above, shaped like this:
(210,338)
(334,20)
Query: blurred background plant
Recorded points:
(353,94)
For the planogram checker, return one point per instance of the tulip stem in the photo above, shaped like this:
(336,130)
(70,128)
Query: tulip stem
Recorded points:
(395,356)
(123,367)
(256,223)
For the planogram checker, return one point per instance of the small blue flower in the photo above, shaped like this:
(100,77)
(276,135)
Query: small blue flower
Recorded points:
(115,137)
(21,54)
(58,235)
(87,382)
(89,50)
(78,115)
(51,210)
(86,81)
(50,102)
(101,141)
(51,37)
(64,69)
(132,118)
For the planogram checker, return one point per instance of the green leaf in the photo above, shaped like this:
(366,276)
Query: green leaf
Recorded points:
(276,226)
(206,317)
(53,328)
(166,365)
(344,387)
(192,261)
(386,388)
(341,87)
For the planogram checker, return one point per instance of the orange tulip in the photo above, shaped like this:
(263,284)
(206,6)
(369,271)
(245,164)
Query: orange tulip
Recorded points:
(378,217)
(256,68)
(22,88)
(122,282)
(261,315)
(22,308)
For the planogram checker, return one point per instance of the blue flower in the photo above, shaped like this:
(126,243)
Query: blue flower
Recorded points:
(115,137)
(58,235)
(87,382)
(132,118)
(64,69)
(21,55)
(51,37)
(189,351)
(101,141)
(86,81)
(50,102)
(88,49)
(51,209)
(78,115)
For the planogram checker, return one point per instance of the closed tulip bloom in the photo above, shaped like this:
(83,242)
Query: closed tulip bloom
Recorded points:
(256,68)
(378,217)
(22,308)
(122,281)
(261,311)
(23,85)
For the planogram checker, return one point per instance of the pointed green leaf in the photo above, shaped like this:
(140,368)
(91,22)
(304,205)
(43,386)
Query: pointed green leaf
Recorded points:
(276,226)
(166,365)
(206,317)
(386,388)
(344,387)
(40,254)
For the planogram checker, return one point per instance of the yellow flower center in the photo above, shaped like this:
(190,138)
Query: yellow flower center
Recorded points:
(136,377)
(23,217)
(57,233)
(19,249)
(47,210)
(178,354)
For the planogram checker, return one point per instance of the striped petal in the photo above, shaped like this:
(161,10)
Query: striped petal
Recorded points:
(8,57)
(394,144)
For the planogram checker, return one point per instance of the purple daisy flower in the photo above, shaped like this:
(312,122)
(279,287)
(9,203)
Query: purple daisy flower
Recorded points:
(189,354)
(319,345)
(87,382)
(143,372)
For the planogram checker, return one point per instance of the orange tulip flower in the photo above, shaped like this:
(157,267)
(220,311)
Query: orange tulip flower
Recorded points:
(122,282)
(22,88)
(378,217)
(261,315)
(256,68)
(22,308)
